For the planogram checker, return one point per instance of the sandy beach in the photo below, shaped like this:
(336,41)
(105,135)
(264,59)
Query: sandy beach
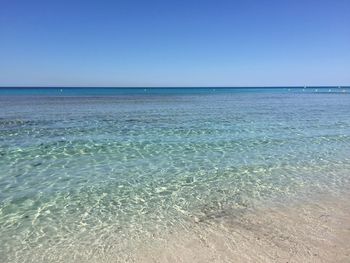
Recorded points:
(317,231)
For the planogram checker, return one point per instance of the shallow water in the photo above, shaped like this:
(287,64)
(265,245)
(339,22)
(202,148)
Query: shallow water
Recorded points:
(99,172)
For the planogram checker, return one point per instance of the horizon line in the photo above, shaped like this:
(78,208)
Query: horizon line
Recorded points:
(175,87)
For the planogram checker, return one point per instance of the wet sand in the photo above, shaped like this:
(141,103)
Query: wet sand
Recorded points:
(317,231)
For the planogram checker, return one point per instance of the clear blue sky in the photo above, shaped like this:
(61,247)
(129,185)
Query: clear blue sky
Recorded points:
(174,43)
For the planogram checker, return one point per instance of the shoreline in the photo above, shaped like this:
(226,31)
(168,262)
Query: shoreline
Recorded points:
(315,231)
(306,230)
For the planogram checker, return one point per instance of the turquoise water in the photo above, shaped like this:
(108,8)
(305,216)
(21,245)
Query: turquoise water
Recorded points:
(89,166)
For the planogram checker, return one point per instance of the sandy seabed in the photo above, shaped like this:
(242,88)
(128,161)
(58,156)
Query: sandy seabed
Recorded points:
(317,230)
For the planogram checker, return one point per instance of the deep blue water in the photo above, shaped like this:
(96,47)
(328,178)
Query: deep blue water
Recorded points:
(163,91)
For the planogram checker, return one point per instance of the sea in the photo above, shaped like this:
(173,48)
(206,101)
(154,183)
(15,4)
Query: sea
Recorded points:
(94,173)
